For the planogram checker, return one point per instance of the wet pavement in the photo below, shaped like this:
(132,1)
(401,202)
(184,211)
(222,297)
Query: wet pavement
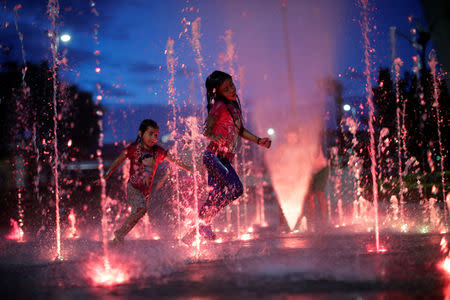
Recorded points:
(291,266)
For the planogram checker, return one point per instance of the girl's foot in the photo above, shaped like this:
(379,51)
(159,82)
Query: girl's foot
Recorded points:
(118,239)
(189,238)
(206,232)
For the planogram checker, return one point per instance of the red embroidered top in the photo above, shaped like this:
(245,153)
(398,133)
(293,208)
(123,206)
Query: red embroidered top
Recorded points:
(229,123)
(143,164)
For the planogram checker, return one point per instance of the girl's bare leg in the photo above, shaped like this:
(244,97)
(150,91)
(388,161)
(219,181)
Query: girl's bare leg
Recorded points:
(130,222)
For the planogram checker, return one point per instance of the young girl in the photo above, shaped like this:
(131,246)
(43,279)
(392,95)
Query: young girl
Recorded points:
(223,127)
(144,156)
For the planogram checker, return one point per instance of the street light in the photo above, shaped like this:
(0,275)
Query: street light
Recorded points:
(347,107)
(65,38)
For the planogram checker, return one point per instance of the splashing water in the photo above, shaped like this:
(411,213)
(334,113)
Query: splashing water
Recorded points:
(171,64)
(397,63)
(291,168)
(103,274)
(53,12)
(433,64)
(196,47)
(194,134)
(103,278)
(20,160)
(369,97)
(72,231)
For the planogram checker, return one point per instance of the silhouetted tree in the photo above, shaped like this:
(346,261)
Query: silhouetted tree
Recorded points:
(27,125)
(418,118)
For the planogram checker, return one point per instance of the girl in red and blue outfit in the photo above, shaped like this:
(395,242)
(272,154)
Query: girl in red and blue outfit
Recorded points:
(223,127)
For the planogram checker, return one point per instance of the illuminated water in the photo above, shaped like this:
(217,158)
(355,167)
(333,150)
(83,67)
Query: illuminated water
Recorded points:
(53,12)
(328,266)
(365,24)
(338,262)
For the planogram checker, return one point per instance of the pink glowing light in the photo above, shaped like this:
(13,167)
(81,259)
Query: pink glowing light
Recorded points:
(292,165)
(245,237)
(102,274)
(16,232)
(371,249)
(72,232)
(445,263)
(444,245)
(97,70)
(219,241)
(404,228)
(69,143)
(434,190)
(99,97)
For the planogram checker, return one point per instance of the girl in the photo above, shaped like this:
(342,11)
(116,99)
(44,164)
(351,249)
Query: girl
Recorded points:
(144,156)
(223,127)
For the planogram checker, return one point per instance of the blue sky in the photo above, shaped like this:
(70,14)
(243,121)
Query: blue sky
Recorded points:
(325,40)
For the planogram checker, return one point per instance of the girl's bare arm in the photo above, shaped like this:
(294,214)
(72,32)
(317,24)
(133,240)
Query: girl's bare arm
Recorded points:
(179,163)
(264,142)
(116,163)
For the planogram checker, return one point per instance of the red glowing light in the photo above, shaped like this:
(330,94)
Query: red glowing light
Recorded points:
(444,244)
(72,233)
(102,274)
(69,143)
(445,265)
(16,232)
(372,249)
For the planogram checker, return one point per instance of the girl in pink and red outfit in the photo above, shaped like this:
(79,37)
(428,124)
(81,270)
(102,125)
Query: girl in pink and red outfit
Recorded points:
(144,156)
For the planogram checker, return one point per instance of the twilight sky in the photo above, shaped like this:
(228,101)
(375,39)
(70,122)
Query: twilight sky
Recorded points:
(242,37)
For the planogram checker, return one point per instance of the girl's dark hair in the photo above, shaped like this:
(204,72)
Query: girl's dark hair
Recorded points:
(144,125)
(212,84)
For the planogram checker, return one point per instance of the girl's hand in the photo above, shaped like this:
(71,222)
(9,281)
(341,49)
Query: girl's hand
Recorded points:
(264,142)
(219,139)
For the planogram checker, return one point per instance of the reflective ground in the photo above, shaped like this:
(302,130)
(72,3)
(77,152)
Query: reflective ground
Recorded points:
(292,266)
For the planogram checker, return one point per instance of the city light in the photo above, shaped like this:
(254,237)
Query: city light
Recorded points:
(347,107)
(270,131)
(65,38)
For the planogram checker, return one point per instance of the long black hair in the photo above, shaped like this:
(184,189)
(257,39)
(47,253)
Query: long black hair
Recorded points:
(144,125)
(212,84)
